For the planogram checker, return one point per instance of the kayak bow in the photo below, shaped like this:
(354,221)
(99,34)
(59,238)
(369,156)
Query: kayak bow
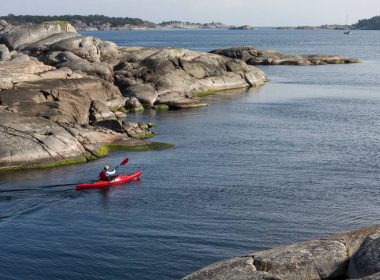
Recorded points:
(121,179)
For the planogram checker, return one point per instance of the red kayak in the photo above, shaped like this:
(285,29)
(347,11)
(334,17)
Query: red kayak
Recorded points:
(121,179)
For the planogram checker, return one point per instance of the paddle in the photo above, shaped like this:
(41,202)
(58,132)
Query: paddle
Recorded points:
(124,162)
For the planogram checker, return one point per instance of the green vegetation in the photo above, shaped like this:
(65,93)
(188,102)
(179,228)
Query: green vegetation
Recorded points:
(103,151)
(123,110)
(368,24)
(160,107)
(90,20)
(205,93)
(137,109)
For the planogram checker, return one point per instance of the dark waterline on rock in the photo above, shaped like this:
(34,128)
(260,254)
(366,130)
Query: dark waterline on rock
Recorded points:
(293,160)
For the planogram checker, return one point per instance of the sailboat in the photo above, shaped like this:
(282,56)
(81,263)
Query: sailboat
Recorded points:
(347,32)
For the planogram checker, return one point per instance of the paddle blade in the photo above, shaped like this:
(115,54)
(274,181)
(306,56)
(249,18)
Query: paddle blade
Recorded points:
(124,162)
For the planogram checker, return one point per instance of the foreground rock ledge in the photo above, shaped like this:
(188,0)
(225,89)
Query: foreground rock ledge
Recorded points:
(350,255)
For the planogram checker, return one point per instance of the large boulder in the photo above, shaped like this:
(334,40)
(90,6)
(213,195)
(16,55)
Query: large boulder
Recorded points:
(354,239)
(30,141)
(12,73)
(326,258)
(86,47)
(43,44)
(99,112)
(66,100)
(34,89)
(4,53)
(233,269)
(16,37)
(100,69)
(27,140)
(366,261)
(151,75)
(83,46)
(317,259)
(254,56)
(20,57)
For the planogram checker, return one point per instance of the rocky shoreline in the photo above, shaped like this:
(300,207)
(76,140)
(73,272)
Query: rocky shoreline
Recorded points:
(64,96)
(254,56)
(350,255)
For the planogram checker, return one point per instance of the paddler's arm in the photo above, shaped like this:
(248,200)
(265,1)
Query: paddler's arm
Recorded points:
(108,173)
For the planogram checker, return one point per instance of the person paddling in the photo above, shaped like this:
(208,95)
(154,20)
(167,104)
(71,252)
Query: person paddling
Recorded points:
(106,174)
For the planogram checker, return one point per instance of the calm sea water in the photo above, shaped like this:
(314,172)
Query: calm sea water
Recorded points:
(293,160)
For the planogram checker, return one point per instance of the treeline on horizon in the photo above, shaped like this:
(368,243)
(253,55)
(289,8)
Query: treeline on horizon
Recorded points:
(89,19)
(368,24)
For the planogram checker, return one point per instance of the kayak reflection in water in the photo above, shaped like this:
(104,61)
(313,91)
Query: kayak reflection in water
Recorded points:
(106,175)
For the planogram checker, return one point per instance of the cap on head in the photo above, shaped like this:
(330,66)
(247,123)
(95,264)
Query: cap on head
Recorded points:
(106,167)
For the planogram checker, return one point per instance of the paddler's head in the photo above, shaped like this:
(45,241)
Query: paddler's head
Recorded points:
(106,167)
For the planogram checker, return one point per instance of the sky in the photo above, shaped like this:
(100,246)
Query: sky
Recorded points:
(236,12)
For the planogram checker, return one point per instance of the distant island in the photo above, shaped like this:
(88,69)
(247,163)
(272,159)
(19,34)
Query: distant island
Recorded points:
(363,24)
(101,22)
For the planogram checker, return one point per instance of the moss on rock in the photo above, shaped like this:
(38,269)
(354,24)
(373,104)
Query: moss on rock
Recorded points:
(103,151)
(205,93)
(160,107)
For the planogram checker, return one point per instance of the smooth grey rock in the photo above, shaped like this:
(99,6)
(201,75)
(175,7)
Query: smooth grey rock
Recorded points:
(27,141)
(13,73)
(108,51)
(179,100)
(59,57)
(115,103)
(70,60)
(34,139)
(4,53)
(83,46)
(233,269)
(20,58)
(145,93)
(224,270)
(316,259)
(133,103)
(87,47)
(62,99)
(99,112)
(366,261)
(153,74)
(354,239)
(17,36)
(253,56)
(100,69)
(43,44)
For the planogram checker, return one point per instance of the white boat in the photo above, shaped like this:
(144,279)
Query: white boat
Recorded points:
(347,32)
